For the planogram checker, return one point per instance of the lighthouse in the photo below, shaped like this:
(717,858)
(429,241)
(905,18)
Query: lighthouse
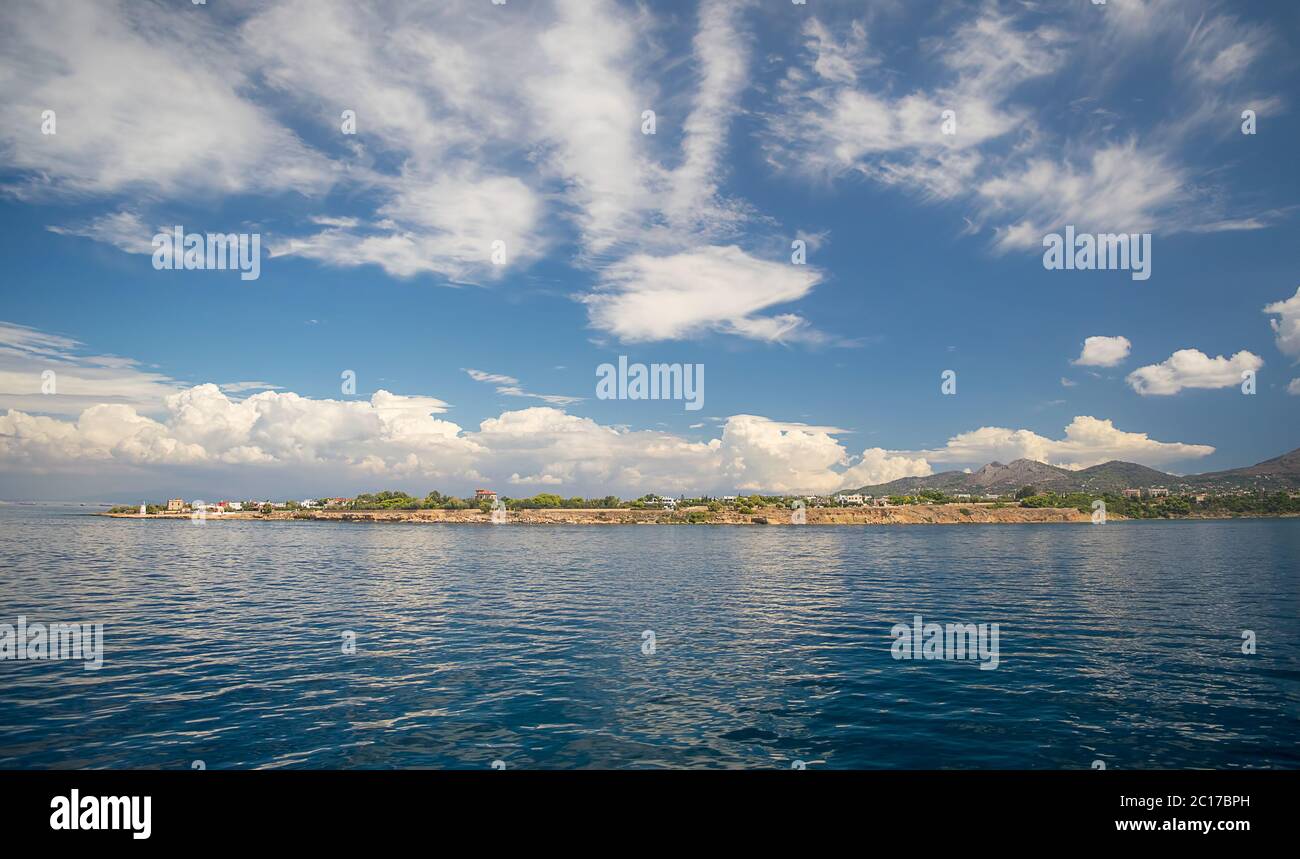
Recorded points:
(143,510)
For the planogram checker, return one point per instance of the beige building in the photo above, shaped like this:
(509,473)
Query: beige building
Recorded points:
(175,505)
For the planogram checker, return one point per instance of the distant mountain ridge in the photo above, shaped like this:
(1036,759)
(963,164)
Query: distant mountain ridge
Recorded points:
(1279,473)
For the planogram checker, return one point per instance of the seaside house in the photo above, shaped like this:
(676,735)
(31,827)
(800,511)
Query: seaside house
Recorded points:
(175,505)
(854,499)
(728,499)
(962,496)
(485,495)
(1132,493)
(1157,492)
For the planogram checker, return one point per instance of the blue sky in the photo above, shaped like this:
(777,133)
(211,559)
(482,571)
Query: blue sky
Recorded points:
(523,122)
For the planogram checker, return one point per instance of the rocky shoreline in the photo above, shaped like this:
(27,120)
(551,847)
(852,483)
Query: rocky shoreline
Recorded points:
(915,514)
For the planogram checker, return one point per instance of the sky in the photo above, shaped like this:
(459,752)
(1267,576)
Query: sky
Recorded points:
(464,209)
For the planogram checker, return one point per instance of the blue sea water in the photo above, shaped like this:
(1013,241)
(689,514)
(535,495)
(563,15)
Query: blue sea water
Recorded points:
(224,644)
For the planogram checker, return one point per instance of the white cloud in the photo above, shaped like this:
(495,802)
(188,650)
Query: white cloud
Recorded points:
(1088,441)
(473,125)
(393,437)
(1192,368)
(1287,325)
(1101,351)
(202,430)
(833,122)
(241,387)
(444,224)
(838,114)
(1293,387)
(510,387)
(711,289)
(123,230)
(1119,188)
(143,101)
(877,465)
(80,379)
(759,453)
(720,51)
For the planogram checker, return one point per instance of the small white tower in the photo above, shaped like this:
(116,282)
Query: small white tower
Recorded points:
(143,510)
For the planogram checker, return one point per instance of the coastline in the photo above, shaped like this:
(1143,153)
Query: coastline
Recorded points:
(936,514)
(911,514)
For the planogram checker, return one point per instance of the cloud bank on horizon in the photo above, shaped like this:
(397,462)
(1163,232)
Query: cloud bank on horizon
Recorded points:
(627,147)
(397,437)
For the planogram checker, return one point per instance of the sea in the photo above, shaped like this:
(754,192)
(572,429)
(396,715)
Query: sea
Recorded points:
(322,645)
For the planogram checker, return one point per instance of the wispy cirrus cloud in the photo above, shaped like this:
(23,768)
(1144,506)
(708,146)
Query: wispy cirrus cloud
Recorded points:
(80,379)
(510,387)
(1023,171)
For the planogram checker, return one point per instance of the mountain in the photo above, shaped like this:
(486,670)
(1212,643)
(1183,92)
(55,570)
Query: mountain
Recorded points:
(1282,472)
(994,477)
(1116,475)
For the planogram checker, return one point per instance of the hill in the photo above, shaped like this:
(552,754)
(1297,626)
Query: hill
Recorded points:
(1279,473)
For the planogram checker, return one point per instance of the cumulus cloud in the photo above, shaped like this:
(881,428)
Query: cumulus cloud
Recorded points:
(393,437)
(1192,368)
(877,465)
(1287,326)
(1088,441)
(1101,351)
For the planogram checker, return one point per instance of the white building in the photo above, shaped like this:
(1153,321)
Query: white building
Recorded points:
(855,499)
